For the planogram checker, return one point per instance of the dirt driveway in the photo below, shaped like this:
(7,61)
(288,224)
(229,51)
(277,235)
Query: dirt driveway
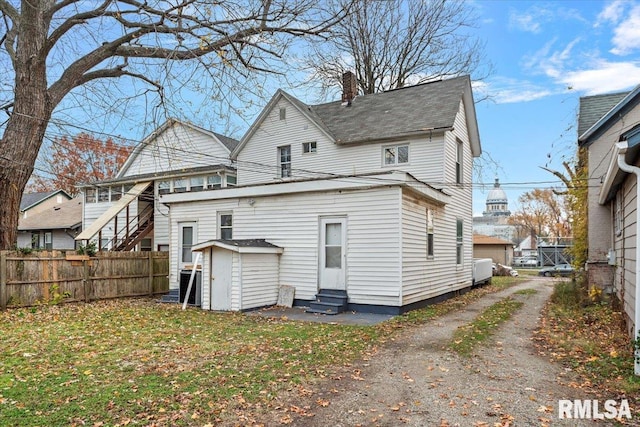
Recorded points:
(416,381)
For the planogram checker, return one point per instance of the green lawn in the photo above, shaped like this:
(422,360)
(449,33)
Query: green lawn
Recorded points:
(137,362)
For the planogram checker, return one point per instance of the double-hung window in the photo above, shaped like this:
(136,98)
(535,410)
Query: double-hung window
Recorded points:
(430,227)
(395,155)
(284,161)
(196,183)
(459,158)
(459,239)
(225,225)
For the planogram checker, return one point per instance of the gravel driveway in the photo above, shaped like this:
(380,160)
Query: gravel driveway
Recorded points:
(415,381)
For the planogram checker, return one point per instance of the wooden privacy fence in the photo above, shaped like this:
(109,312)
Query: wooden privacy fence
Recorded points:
(53,276)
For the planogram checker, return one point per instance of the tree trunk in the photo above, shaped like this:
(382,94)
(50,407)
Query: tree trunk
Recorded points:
(28,120)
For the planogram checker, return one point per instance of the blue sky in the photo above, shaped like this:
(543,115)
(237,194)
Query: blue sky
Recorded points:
(546,55)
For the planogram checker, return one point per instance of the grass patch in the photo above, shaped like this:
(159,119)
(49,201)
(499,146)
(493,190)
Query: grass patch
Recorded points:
(590,339)
(421,316)
(528,291)
(466,338)
(136,362)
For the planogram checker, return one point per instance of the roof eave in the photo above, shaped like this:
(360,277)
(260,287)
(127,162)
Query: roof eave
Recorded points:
(584,138)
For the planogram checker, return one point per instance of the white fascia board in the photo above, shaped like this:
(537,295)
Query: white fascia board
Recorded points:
(296,187)
(240,249)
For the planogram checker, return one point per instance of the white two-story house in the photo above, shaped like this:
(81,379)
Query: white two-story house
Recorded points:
(124,214)
(363,203)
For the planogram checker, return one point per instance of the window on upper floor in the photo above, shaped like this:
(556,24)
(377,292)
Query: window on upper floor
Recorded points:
(164,187)
(309,147)
(214,181)
(284,161)
(103,194)
(90,195)
(179,185)
(116,193)
(283,113)
(232,181)
(395,155)
(459,164)
(196,183)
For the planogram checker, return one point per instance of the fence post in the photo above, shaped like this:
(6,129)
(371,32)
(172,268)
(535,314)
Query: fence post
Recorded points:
(3,280)
(150,273)
(85,264)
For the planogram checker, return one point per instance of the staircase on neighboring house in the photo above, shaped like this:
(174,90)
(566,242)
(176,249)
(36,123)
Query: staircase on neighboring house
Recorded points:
(132,233)
(329,301)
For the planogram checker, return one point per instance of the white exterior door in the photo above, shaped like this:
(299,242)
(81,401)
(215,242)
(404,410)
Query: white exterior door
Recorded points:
(221,265)
(333,256)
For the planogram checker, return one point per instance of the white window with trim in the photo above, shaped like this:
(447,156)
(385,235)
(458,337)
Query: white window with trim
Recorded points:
(232,180)
(90,195)
(187,236)
(164,187)
(214,182)
(309,147)
(103,194)
(225,225)
(459,241)
(395,155)
(459,162)
(284,161)
(430,248)
(196,183)
(179,185)
(48,240)
(116,193)
(618,214)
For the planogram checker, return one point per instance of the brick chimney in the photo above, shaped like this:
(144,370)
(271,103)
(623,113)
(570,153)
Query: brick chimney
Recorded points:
(349,87)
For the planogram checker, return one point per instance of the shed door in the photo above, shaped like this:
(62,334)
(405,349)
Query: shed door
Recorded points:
(332,259)
(221,265)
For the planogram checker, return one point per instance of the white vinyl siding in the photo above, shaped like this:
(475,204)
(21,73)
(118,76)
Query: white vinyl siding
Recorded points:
(426,153)
(178,147)
(426,277)
(292,222)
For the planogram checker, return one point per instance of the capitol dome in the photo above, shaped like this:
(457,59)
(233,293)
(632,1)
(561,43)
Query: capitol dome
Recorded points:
(497,201)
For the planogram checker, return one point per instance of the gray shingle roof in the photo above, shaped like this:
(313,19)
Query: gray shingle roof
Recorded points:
(67,214)
(593,108)
(228,142)
(396,113)
(30,199)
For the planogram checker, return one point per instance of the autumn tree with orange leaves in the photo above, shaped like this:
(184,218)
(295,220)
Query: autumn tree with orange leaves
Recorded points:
(543,213)
(82,159)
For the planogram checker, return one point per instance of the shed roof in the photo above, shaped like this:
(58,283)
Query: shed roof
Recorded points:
(65,215)
(481,239)
(240,245)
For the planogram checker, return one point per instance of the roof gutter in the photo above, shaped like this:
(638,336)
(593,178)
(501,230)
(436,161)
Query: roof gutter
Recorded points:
(625,167)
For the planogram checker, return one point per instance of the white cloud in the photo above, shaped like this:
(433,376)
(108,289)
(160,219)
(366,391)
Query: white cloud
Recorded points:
(504,90)
(612,12)
(604,77)
(626,36)
(527,21)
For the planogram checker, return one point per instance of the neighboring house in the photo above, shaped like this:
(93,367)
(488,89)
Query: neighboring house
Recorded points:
(124,214)
(367,199)
(53,228)
(528,247)
(612,138)
(33,203)
(500,251)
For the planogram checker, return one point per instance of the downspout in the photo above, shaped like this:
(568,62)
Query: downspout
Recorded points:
(625,167)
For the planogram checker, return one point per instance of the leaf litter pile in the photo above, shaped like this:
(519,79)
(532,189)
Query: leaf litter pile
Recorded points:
(136,362)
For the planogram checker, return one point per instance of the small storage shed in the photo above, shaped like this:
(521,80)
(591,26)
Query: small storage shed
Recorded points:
(239,275)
